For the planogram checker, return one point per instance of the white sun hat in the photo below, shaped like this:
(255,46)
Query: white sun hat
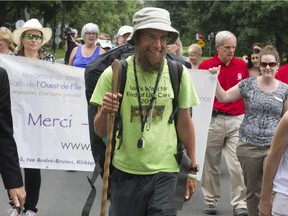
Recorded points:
(32,24)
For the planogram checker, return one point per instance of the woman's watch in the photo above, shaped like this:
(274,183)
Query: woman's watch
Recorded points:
(194,168)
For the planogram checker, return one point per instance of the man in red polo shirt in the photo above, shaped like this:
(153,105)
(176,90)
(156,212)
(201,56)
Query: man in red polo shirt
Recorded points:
(223,132)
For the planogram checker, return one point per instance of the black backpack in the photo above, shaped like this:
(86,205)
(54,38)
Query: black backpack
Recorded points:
(92,73)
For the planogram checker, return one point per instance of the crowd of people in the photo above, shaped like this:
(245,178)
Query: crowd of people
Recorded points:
(248,121)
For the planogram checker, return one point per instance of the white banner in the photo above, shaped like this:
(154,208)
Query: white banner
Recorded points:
(50,120)
(205,84)
(49,112)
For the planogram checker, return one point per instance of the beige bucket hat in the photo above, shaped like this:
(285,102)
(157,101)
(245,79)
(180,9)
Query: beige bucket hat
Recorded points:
(32,24)
(154,18)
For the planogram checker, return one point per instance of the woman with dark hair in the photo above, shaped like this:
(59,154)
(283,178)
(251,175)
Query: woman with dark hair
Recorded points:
(254,63)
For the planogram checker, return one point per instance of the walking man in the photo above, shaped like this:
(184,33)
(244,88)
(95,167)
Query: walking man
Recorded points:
(144,173)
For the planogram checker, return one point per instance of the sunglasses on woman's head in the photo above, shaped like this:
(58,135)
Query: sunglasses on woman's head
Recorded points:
(256,50)
(31,36)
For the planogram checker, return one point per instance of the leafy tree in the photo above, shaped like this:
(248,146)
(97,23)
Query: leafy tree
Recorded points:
(250,21)
(108,15)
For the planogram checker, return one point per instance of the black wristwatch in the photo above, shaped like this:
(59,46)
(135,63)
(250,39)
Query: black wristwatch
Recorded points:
(194,168)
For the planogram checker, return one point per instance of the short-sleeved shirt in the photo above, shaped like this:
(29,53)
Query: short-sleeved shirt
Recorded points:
(282,73)
(229,76)
(160,139)
(263,112)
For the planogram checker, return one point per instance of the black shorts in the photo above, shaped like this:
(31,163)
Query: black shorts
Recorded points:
(142,195)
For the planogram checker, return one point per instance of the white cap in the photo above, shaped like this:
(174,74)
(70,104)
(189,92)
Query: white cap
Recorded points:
(124,30)
(105,43)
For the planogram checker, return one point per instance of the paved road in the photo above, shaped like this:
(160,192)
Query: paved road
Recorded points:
(64,193)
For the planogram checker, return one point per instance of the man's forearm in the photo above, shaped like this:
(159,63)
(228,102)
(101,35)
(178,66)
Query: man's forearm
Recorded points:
(186,133)
(100,122)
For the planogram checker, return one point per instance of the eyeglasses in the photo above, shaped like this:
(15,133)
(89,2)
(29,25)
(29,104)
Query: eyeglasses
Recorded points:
(90,33)
(152,38)
(271,64)
(31,36)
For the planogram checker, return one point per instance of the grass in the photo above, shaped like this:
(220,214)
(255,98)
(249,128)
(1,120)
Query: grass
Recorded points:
(59,53)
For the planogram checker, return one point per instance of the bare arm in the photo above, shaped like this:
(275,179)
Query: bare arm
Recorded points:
(65,44)
(186,133)
(229,95)
(278,146)
(71,59)
(285,107)
(110,104)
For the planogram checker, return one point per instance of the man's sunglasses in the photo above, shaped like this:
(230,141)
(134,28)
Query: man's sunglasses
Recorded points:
(31,36)
(271,64)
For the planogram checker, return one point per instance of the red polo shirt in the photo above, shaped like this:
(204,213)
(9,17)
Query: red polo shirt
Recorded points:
(228,77)
(282,73)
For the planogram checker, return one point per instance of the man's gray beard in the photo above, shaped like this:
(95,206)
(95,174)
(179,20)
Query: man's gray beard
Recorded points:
(149,64)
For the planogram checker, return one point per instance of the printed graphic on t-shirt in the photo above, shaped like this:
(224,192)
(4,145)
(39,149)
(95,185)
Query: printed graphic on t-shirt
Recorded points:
(156,115)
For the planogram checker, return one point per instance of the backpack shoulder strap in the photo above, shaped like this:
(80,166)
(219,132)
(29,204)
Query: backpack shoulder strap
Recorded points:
(122,76)
(175,72)
(118,126)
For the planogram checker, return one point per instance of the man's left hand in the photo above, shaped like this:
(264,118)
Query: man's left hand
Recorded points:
(190,189)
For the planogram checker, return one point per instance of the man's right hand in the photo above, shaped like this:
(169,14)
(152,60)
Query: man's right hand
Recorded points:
(17,197)
(111,102)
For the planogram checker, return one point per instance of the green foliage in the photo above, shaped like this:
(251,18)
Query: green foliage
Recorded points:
(108,15)
(251,21)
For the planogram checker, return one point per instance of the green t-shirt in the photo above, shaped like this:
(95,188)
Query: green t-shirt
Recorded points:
(160,139)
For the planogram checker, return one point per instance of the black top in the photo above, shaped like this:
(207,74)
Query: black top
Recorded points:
(9,162)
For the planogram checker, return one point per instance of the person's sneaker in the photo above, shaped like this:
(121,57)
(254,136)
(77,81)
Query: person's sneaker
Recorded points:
(14,212)
(29,213)
(240,212)
(210,209)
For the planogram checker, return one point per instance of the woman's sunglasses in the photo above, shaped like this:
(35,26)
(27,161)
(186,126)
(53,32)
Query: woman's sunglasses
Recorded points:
(271,64)
(31,36)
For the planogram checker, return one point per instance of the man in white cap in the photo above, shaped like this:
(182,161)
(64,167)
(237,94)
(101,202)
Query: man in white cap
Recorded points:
(144,172)
(122,35)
